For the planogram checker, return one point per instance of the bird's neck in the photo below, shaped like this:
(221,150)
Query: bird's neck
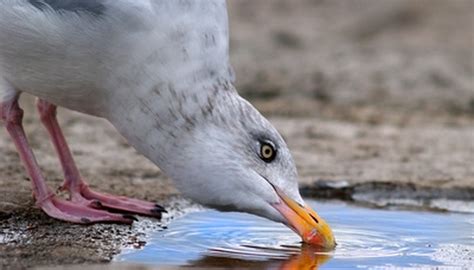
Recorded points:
(156,120)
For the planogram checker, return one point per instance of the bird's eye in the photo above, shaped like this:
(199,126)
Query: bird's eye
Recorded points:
(267,152)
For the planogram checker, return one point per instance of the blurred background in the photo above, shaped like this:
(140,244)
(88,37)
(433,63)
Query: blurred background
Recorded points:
(391,56)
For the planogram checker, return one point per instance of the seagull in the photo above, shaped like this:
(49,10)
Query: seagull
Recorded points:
(159,72)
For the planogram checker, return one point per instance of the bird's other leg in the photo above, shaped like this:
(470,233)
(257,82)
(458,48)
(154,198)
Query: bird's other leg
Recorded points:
(11,114)
(74,183)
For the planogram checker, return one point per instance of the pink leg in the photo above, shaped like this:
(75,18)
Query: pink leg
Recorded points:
(12,115)
(80,192)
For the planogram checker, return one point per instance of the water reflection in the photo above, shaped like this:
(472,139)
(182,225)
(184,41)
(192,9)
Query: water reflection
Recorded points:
(306,258)
(309,258)
(366,238)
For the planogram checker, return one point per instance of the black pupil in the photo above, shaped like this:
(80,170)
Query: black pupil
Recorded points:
(268,151)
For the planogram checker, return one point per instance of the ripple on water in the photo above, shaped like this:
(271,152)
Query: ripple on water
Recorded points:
(366,238)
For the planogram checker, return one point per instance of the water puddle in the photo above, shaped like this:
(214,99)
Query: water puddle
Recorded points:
(367,238)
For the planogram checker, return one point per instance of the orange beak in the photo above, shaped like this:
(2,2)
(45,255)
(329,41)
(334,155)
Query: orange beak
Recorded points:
(305,222)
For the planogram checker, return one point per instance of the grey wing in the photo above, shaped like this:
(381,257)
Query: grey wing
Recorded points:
(95,7)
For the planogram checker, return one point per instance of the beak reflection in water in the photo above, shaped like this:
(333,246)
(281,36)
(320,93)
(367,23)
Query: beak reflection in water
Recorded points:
(305,258)
(308,259)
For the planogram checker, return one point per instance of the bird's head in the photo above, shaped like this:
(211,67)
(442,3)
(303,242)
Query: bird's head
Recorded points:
(237,161)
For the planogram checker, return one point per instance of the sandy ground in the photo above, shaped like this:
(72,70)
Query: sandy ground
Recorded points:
(373,97)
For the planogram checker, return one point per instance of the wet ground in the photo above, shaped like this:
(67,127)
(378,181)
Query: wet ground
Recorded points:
(375,99)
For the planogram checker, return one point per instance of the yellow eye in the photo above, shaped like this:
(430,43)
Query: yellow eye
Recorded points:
(267,152)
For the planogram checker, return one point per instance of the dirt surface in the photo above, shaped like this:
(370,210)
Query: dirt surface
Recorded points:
(372,96)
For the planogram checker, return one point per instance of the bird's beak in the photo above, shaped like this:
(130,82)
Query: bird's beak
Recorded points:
(305,222)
